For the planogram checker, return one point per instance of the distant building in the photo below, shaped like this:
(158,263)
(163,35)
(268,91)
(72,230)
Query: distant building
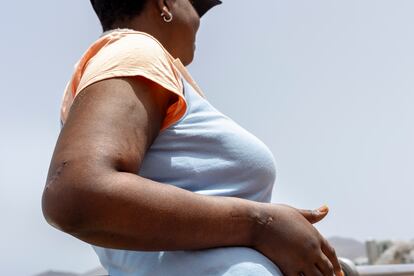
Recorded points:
(390,252)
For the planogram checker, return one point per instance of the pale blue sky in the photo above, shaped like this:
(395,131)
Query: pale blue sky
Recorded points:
(326,84)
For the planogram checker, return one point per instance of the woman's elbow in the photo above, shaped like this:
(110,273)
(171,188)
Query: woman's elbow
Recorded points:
(61,206)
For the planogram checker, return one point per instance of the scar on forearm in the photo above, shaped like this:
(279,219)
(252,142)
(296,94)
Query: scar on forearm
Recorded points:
(55,175)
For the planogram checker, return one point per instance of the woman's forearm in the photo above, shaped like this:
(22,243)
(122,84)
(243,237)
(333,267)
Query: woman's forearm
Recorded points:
(133,213)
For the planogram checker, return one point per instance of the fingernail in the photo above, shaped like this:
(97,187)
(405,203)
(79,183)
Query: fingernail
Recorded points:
(324,209)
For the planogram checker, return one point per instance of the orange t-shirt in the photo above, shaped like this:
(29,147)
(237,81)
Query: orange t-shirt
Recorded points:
(129,53)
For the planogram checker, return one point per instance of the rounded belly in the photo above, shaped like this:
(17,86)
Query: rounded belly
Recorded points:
(227,261)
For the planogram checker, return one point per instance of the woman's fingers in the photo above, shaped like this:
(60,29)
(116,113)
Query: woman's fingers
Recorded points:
(330,253)
(314,216)
(325,266)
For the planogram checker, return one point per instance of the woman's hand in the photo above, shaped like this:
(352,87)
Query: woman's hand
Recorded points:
(104,140)
(287,237)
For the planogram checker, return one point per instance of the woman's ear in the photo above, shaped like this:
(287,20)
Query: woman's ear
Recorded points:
(165,6)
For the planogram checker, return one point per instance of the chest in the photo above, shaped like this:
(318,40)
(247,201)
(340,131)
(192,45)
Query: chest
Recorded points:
(209,153)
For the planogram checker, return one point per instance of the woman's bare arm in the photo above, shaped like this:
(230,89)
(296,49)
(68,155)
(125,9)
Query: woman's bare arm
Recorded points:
(93,192)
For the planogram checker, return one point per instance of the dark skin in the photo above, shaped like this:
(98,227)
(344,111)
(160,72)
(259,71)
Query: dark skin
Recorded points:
(93,191)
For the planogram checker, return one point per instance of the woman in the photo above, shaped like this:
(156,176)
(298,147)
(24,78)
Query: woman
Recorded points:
(153,176)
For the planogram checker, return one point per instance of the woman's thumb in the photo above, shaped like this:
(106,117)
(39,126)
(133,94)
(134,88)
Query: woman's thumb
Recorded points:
(314,216)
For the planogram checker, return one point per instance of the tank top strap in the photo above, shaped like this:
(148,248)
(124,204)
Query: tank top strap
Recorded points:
(186,75)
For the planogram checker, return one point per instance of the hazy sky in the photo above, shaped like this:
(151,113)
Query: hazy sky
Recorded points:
(326,84)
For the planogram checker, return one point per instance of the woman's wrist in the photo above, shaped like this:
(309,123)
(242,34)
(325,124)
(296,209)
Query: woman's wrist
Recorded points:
(260,217)
(251,219)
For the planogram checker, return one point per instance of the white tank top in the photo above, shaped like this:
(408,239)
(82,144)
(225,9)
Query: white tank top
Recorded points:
(207,153)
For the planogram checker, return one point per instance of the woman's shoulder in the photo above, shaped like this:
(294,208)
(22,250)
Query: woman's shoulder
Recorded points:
(123,41)
(127,53)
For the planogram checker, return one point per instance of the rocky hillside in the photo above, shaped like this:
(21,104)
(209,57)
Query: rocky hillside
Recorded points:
(348,248)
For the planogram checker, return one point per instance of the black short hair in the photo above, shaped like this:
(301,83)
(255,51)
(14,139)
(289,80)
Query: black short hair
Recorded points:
(110,12)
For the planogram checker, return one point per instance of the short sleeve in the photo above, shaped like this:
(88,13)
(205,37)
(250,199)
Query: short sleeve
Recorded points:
(128,55)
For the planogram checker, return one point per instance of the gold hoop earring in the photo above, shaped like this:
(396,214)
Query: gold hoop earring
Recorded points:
(167,19)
